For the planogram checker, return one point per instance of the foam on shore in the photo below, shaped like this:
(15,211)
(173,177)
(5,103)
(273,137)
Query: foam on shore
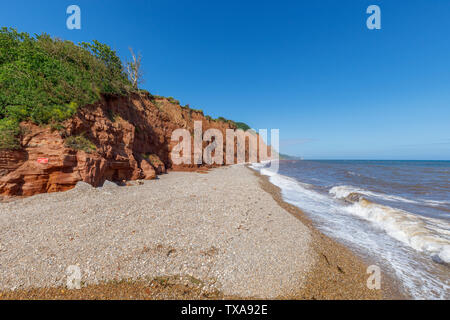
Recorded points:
(358,224)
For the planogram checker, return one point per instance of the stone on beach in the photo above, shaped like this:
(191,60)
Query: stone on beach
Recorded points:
(220,228)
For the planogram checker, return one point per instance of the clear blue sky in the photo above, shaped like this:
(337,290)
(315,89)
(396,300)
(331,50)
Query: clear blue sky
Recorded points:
(335,89)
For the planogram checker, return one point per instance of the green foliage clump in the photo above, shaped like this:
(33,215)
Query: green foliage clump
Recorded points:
(197,110)
(243,126)
(145,92)
(112,116)
(173,100)
(9,130)
(154,160)
(238,125)
(154,97)
(45,80)
(80,142)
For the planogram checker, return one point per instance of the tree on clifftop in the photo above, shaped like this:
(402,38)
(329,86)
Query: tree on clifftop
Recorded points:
(134,69)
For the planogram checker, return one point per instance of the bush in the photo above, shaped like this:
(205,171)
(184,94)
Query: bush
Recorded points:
(241,125)
(144,92)
(45,80)
(154,160)
(80,142)
(173,101)
(9,131)
(197,110)
(155,97)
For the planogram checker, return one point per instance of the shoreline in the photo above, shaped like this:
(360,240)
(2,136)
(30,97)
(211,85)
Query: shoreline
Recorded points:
(340,272)
(324,268)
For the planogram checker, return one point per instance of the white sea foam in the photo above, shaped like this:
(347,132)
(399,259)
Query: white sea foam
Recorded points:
(430,236)
(436,203)
(352,223)
(340,192)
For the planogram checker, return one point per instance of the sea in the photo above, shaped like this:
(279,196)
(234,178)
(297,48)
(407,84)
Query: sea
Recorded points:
(395,214)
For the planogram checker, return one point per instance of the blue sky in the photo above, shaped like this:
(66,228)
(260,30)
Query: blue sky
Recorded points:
(312,69)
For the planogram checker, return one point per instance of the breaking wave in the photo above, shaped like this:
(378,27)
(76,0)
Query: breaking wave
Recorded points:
(344,191)
(427,235)
(357,219)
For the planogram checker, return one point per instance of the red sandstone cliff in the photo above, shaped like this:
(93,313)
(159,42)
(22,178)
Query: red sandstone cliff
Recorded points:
(132,136)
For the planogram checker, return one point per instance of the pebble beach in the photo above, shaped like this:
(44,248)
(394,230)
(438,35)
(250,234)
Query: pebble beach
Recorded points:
(227,231)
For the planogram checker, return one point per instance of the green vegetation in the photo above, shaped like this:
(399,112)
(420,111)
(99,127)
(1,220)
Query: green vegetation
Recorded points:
(162,281)
(238,125)
(80,143)
(9,130)
(144,92)
(289,157)
(243,126)
(112,116)
(153,97)
(44,80)
(153,159)
(197,110)
(195,280)
(173,101)
(159,105)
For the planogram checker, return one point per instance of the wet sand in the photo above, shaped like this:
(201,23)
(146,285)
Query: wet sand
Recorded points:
(339,273)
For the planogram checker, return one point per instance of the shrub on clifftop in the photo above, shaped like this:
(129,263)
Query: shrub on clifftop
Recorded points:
(44,80)
(243,126)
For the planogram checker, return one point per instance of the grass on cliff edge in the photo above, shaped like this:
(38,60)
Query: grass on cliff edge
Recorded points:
(44,80)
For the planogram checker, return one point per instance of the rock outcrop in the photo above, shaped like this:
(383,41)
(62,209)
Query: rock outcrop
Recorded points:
(132,138)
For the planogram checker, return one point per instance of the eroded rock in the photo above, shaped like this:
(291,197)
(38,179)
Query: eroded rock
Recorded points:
(132,136)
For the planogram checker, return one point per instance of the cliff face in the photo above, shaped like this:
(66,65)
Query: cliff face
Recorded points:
(132,136)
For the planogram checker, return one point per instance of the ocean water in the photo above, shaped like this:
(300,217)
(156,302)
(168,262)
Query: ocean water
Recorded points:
(395,214)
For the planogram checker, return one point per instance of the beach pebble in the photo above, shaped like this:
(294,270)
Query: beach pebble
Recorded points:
(220,228)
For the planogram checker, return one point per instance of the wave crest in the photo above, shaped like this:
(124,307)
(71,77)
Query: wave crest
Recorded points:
(427,235)
(341,192)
